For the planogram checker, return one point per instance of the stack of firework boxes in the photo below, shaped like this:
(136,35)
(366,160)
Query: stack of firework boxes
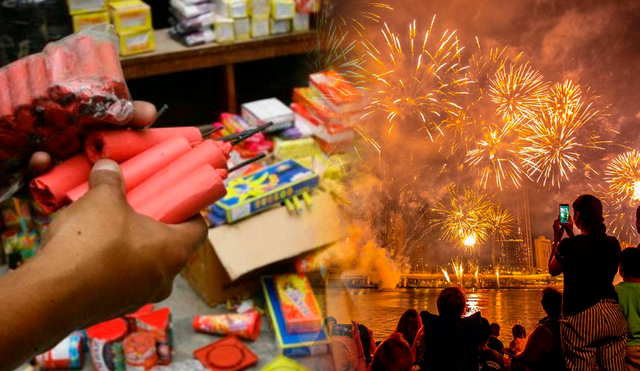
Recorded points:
(331,105)
(131,18)
(192,21)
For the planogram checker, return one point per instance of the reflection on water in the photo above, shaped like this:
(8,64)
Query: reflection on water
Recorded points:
(380,310)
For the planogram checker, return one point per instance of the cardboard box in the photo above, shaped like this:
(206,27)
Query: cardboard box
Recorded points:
(283,9)
(137,42)
(225,29)
(295,148)
(291,345)
(308,6)
(260,112)
(131,16)
(232,8)
(301,22)
(259,8)
(242,28)
(281,26)
(260,26)
(264,189)
(235,256)
(86,6)
(86,20)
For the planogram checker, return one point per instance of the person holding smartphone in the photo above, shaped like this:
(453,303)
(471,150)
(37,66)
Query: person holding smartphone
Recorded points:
(346,352)
(593,330)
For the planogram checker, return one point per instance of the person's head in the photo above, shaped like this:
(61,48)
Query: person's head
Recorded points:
(638,219)
(518,331)
(485,330)
(329,320)
(393,354)
(495,329)
(551,301)
(451,303)
(365,339)
(409,324)
(630,263)
(587,215)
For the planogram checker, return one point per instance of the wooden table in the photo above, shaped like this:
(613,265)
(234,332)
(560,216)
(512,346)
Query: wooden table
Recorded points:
(171,56)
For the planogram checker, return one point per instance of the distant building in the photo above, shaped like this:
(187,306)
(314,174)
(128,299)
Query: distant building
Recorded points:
(541,252)
(394,237)
(514,253)
(515,250)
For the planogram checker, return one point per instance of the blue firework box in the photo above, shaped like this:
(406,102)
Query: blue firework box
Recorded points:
(264,189)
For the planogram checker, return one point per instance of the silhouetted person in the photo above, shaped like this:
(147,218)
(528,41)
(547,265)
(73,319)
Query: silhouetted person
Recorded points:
(489,359)
(494,341)
(593,330)
(543,351)
(409,324)
(393,354)
(629,298)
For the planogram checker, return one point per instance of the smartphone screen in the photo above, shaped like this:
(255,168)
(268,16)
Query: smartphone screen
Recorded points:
(341,330)
(564,213)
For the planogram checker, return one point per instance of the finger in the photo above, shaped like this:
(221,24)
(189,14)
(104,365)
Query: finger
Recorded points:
(107,173)
(190,234)
(40,163)
(145,114)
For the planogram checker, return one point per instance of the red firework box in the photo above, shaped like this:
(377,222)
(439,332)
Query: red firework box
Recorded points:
(308,6)
(318,108)
(49,100)
(338,93)
(298,303)
(158,324)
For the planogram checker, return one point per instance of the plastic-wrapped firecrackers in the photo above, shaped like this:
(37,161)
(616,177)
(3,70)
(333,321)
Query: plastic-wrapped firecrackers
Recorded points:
(68,355)
(140,352)
(158,323)
(246,325)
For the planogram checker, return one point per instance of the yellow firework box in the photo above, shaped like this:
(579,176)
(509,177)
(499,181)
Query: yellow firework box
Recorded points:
(130,16)
(86,20)
(137,42)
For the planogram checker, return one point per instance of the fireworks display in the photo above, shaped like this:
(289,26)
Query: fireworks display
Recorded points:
(623,174)
(518,92)
(407,79)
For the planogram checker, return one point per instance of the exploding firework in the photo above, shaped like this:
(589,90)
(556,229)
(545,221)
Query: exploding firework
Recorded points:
(464,220)
(458,268)
(564,98)
(407,81)
(501,222)
(619,214)
(496,155)
(446,275)
(623,175)
(518,91)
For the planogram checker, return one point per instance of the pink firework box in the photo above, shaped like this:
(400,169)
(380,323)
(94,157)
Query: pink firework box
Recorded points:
(298,303)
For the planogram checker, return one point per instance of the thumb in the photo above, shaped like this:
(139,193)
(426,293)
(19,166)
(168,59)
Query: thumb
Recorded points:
(107,173)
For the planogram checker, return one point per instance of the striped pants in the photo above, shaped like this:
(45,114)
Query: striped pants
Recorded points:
(597,335)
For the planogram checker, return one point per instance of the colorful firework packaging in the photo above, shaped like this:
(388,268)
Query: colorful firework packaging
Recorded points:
(158,324)
(68,355)
(105,343)
(245,325)
(140,352)
(49,100)
(298,303)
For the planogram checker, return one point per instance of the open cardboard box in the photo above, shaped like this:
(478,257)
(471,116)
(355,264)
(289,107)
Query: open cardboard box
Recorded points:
(235,256)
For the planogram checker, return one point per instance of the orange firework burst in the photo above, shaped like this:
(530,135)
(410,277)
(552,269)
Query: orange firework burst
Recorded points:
(497,156)
(518,91)
(406,80)
(623,176)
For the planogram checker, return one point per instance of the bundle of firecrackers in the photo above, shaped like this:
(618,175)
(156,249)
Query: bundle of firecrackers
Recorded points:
(198,22)
(142,340)
(131,19)
(50,100)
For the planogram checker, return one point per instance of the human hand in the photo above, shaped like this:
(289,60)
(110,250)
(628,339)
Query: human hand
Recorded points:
(558,230)
(120,260)
(355,333)
(144,115)
(569,227)
(372,347)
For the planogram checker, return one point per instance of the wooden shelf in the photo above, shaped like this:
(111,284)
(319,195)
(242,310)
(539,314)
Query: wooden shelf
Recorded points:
(171,56)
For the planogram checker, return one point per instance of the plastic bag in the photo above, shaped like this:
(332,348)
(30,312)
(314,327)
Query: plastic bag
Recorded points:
(50,100)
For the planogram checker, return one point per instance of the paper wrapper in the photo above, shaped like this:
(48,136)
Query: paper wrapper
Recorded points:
(139,168)
(49,189)
(176,202)
(208,152)
(122,145)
